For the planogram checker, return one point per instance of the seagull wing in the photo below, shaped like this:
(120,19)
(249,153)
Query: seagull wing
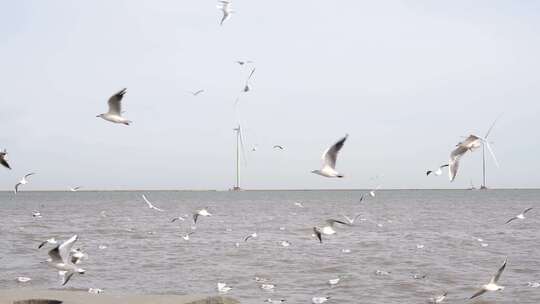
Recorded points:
(4,162)
(331,222)
(65,248)
(147,202)
(28,175)
(453,163)
(497,276)
(115,102)
(318,234)
(226,14)
(17,187)
(66,277)
(157,209)
(478,293)
(198,92)
(42,244)
(250,74)
(526,210)
(514,218)
(54,254)
(195,217)
(428,172)
(329,156)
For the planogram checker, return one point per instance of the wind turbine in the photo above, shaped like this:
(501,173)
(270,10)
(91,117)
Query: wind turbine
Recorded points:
(485,144)
(239,146)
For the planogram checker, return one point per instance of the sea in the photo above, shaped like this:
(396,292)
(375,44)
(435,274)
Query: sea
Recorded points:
(405,246)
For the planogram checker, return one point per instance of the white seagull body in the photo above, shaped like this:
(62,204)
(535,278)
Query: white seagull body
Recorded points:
(23,181)
(520,216)
(492,285)
(327,229)
(319,300)
(186,236)
(61,259)
(202,212)
(329,158)
(223,288)
(150,205)
(115,109)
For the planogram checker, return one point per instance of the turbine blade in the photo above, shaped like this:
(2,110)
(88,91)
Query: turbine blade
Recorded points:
(492,125)
(492,154)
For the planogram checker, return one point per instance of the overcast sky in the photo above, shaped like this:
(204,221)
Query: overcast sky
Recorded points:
(405,79)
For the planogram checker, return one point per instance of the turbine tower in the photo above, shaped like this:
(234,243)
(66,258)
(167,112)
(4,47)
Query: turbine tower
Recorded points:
(239,145)
(484,143)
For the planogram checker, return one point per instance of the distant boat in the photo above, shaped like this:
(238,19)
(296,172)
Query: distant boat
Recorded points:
(474,188)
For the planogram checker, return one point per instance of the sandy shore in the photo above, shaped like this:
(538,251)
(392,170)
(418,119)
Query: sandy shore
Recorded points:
(83,297)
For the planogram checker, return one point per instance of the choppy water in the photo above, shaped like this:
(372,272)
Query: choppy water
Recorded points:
(146,253)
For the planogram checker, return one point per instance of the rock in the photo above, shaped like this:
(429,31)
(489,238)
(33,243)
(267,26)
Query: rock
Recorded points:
(215,300)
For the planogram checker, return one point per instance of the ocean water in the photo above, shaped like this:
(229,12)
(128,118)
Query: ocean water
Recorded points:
(145,252)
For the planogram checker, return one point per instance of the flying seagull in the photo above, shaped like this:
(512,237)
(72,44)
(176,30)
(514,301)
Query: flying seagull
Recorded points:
(202,212)
(115,109)
(61,259)
(195,93)
(436,172)
(23,181)
(150,205)
(3,160)
(74,189)
(438,299)
(242,62)
(36,213)
(329,158)
(520,216)
(223,288)
(327,229)
(278,147)
(178,218)
(253,235)
(225,7)
(471,143)
(186,236)
(492,285)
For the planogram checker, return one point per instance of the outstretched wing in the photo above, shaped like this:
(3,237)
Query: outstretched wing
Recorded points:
(453,163)
(65,248)
(329,156)
(115,102)
(514,218)
(478,293)
(527,210)
(318,234)
(496,277)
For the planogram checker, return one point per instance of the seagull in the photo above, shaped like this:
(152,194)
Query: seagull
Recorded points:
(247,87)
(492,285)
(36,213)
(299,205)
(51,241)
(186,236)
(74,189)
(333,282)
(150,204)
(60,258)
(436,172)
(520,216)
(327,229)
(471,143)
(253,235)
(223,288)
(115,109)
(3,160)
(242,62)
(95,290)
(533,284)
(278,147)
(224,6)
(329,158)
(23,181)
(275,301)
(351,220)
(438,299)
(23,279)
(268,286)
(372,192)
(178,218)
(285,243)
(195,93)
(254,149)
(202,212)
(319,300)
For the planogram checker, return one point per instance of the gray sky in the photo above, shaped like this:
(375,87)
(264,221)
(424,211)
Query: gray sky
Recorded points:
(406,79)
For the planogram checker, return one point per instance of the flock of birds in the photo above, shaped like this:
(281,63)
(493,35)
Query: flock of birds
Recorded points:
(66,259)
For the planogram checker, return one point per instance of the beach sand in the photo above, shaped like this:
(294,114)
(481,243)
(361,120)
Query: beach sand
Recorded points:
(83,297)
